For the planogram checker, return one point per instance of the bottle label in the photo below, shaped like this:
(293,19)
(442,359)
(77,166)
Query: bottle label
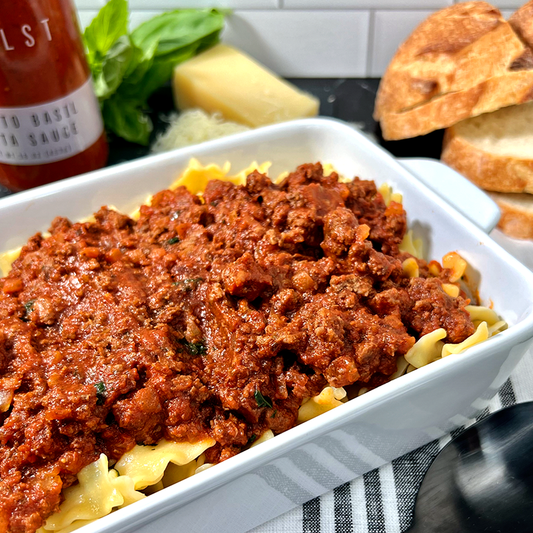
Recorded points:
(37,134)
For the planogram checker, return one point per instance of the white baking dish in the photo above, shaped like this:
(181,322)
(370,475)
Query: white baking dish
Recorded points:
(368,431)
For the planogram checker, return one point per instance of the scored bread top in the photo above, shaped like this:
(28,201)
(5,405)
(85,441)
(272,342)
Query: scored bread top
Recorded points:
(462,61)
(425,64)
(521,22)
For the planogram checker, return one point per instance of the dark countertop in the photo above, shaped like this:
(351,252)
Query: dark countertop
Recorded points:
(350,99)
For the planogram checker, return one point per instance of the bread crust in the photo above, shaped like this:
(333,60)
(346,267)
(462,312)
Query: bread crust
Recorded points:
(424,64)
(521,22)
(515,221)
(490,95)
(460,62)
(489,171)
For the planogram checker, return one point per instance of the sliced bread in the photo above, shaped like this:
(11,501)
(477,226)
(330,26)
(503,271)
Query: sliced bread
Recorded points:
(462,61)
(494,150)
(517,214)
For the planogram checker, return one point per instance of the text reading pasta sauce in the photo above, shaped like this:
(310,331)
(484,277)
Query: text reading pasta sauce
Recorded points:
(50,122)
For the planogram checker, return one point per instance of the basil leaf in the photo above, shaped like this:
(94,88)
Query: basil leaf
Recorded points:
(126,119)
(140,63)
(261,400)
(209,41)
(194,348)
(101,392)
(157,75)
(177,29)
(110,23)
(29,306)
(114,67)
(188,284)
(140,85)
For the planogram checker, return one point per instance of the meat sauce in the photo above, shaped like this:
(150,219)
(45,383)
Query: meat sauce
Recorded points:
(117,332)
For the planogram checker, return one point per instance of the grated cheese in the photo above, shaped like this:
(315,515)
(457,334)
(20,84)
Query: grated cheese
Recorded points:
(194,126)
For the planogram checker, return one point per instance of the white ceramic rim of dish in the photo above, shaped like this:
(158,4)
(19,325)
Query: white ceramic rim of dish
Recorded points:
(204,482)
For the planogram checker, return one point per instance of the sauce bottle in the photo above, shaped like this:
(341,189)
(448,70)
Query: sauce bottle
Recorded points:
(50,121)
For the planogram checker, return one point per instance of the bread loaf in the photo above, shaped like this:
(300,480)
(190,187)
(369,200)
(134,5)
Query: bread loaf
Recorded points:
(522,22)
(494,150)
(462,61)
(517,214)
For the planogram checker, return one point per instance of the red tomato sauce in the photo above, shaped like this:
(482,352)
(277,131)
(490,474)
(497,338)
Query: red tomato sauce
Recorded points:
(214,316)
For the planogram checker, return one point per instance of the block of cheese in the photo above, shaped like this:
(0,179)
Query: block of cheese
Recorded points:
(225,80)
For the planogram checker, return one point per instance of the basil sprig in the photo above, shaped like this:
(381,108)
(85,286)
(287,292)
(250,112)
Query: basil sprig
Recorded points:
(127,67)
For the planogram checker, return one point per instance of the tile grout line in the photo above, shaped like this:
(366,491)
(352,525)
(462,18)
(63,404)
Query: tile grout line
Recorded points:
(369,51)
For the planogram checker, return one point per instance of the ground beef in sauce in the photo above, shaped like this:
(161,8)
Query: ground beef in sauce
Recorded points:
(116,332)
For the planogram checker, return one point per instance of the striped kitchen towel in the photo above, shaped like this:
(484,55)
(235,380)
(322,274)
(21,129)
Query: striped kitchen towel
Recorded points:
(382,501)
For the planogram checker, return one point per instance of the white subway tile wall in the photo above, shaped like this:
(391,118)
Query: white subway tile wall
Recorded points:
(308,38)
(365,4)
(390,29)
(331,44)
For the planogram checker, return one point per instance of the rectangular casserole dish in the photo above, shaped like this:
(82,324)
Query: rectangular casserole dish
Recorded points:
(366,432)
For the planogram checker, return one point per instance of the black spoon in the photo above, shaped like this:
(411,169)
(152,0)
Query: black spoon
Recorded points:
(482,481)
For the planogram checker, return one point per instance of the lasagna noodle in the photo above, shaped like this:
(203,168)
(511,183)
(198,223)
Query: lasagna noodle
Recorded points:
(98,492)
(146,465)
(101,489)
(328,399)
